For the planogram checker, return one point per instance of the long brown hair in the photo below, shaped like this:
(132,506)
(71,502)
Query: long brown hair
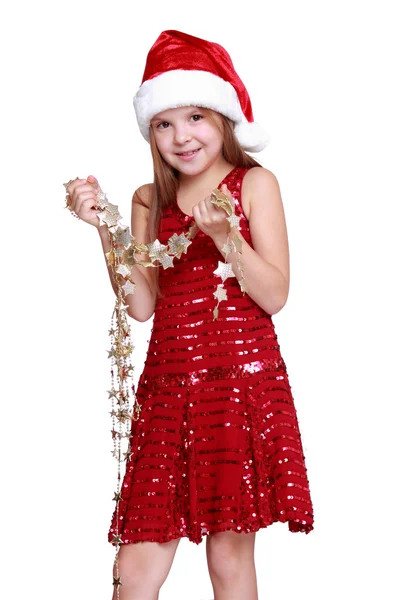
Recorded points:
(166,178)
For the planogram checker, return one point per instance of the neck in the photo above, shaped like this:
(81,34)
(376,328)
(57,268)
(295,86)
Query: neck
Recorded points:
(208,178)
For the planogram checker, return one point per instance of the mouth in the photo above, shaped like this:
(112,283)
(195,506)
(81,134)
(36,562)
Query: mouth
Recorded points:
(188,153)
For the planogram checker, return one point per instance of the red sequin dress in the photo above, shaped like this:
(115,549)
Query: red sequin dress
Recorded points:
(217,446)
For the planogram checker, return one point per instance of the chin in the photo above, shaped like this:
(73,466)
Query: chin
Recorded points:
(192,168)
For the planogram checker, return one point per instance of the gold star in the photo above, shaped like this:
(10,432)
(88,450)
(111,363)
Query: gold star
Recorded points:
(117,497)
(224,270)
(111,331)
(123,415)
(118,251)
(234,220)
(166,260)
(136,411)
(102,200)
(112,209)
(155,249)
(227,249)
(220,293)
(112,393)
(111,352)
(124,351)
(129,288)
(128,455)
(123,236)
(178,244)
(123,270)
(117,582)
(109,219)
(124,371)
(116,540)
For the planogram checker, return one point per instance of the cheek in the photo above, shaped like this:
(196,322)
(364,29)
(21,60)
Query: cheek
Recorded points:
(215,144)
(214,138)
(162,146)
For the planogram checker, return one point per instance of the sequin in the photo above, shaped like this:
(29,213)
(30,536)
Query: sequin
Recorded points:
(217,446)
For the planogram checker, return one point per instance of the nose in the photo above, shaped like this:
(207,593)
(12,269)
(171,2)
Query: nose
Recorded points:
(182,134)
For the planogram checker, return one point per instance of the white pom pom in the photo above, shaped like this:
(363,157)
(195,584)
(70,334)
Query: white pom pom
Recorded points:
(251,136)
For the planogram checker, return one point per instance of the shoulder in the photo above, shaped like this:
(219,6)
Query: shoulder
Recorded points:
(143,195)
(259,185)
(140,210)
(259,177)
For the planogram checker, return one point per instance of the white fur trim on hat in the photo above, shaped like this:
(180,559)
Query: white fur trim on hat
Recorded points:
(182,87)
(185,88)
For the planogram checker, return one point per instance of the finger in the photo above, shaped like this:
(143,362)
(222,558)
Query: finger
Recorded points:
(76,183)
(84,197)
(224,189)
(85,187)
(94,182)
(77,191)
(87,205)
(202,208)
(211,209)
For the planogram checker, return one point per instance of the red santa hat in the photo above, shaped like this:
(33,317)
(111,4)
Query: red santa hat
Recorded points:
(183,70)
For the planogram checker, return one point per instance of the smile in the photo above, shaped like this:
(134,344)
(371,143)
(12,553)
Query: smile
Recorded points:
(187,154)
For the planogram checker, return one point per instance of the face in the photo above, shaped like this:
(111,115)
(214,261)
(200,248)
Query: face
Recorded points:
(187,139)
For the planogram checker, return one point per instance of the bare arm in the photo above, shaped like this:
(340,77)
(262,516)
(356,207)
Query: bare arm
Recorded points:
(266,267)
(141,304)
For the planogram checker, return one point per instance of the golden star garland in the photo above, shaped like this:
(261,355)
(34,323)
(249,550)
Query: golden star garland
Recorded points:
(233,243)
(121,258)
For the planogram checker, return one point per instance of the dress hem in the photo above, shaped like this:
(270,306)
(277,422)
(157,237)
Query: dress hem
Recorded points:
(294,527)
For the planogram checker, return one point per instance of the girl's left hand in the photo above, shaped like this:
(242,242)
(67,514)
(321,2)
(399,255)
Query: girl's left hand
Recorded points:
(210,218)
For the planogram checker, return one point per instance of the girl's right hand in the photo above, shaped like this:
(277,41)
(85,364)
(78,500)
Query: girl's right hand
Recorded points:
(83,200)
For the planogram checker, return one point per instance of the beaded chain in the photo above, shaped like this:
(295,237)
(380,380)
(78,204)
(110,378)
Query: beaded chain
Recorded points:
(121,258)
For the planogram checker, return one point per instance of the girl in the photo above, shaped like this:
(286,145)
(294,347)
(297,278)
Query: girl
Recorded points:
(217,450)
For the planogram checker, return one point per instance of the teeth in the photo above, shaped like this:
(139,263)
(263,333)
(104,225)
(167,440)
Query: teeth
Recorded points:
(187,153)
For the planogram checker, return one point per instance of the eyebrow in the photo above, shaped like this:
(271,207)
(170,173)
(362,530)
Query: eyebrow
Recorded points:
(190,109)
(154,120)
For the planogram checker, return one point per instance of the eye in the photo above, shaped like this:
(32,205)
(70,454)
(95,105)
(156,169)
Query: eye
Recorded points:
(161,125)
(196,117)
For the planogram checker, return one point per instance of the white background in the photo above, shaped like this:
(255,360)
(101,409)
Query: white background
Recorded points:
(323,80)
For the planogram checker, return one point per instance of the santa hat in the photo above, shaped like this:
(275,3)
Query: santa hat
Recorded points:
(183,70)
